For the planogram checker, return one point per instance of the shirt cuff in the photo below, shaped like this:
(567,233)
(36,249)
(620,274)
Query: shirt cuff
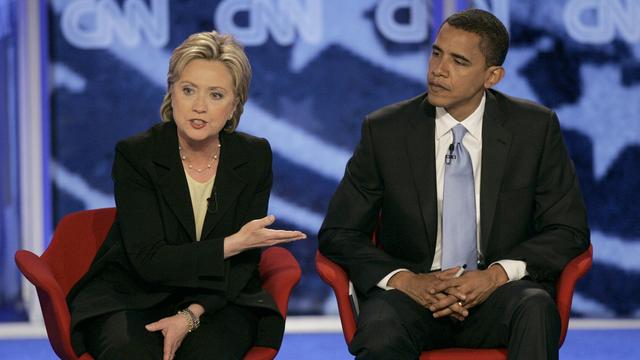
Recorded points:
(383,283)
(515,269)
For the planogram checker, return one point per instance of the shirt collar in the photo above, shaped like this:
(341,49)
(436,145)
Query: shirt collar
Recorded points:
(473,122)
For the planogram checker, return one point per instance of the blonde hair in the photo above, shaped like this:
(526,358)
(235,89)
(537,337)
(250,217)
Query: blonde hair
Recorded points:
(216,47)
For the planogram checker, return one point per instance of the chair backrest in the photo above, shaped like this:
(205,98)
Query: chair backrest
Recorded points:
(75,243)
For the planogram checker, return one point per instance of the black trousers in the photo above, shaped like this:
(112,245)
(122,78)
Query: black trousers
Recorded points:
(520,315)
(227,334)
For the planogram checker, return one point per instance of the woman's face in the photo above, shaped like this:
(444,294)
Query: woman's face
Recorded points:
(203,100)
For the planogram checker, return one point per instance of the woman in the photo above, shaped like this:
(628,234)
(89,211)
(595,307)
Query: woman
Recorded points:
(177,275)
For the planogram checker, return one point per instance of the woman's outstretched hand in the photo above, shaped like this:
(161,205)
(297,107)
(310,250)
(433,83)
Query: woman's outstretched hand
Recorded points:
(256,234)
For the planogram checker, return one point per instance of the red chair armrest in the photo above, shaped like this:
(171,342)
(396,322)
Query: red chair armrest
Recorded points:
(279,272)
(573,271)
(337,278)
(56,315)
(260,353)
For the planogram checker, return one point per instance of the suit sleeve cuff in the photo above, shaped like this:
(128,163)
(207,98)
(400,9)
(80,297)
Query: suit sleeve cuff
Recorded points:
(211,303)
(210,258)
(383,283)
(515,269)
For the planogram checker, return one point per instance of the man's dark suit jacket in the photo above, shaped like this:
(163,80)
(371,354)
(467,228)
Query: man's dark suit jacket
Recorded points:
(151,251)
(531,208)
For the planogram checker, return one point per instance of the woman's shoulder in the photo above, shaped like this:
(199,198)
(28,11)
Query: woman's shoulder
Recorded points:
(144,141)
(242,147)
(247,140)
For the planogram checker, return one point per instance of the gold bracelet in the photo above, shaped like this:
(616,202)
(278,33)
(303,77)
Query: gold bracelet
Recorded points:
(193,321)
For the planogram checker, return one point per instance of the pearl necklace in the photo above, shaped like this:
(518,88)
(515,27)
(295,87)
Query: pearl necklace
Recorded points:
(184,157)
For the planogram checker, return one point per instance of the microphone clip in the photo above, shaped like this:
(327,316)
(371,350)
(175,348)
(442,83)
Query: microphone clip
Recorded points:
(450,156)
(212,202)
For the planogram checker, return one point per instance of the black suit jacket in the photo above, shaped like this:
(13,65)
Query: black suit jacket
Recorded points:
(531,208)
(151,252)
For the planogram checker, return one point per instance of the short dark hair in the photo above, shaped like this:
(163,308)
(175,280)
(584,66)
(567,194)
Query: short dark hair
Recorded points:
(494,38)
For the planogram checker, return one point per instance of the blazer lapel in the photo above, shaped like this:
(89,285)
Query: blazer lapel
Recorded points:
(496,141)
(421,153)
(172,180)
(228,184)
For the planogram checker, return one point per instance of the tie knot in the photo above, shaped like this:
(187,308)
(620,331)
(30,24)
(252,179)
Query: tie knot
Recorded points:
(458,133)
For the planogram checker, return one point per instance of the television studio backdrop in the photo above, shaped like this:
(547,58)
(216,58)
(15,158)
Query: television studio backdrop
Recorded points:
(85,73)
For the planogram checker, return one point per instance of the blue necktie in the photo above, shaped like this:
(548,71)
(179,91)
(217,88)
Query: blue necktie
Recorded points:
(458,207)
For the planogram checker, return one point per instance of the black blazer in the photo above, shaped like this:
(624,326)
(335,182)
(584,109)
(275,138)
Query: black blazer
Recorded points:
(531,208)
(151,251)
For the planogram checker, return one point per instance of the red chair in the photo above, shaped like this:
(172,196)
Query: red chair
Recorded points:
(75,243)
(337,278)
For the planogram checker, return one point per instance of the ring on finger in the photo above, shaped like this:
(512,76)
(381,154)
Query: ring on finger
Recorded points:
(460,304)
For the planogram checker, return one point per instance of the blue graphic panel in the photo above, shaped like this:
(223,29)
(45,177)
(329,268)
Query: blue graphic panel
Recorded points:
(11,308)
(320,66)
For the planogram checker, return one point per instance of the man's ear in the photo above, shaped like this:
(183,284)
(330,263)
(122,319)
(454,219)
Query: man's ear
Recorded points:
(494,75)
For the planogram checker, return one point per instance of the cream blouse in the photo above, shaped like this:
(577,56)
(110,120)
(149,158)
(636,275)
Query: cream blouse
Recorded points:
(199,192)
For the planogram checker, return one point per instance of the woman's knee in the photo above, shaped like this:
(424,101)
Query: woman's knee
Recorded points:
(122,335)
(128,349)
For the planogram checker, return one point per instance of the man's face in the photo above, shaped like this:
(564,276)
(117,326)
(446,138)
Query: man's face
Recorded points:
(458,72)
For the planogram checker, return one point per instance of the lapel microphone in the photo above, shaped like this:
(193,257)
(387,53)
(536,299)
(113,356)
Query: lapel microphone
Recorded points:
(212,202)
(449,156)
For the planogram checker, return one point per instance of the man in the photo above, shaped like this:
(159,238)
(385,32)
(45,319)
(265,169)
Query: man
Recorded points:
(461,176)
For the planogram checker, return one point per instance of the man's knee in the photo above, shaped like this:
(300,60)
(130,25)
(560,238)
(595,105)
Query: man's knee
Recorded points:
(535,327)
(383,340)
(536,305)
(538,301)
(383,333)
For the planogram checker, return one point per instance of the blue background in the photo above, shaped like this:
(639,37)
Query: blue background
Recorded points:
(319,67)
(10,297)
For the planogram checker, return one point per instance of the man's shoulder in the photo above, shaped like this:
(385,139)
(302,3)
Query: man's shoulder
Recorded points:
(525,119)
(512,104)
(409,105)
(394,114)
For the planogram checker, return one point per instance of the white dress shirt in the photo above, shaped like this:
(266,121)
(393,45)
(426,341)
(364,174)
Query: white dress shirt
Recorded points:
(472,141)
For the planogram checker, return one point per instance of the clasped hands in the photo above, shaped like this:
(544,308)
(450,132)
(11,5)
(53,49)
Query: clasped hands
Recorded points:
(446,295)
(256,233)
